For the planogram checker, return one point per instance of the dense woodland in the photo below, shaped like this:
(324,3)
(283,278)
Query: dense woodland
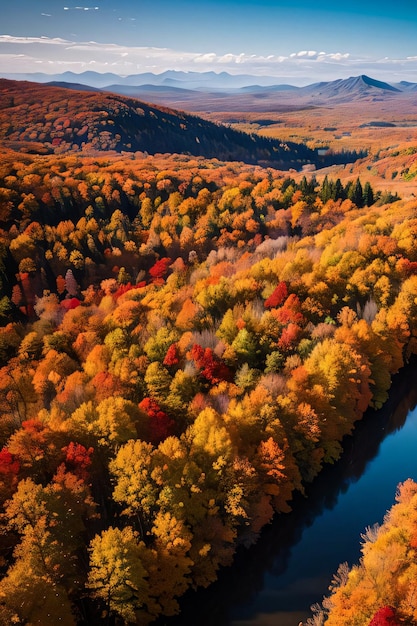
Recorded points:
(184,343)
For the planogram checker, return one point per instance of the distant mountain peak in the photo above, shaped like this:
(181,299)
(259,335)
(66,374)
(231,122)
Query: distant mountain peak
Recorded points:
(349,89)
(371,82)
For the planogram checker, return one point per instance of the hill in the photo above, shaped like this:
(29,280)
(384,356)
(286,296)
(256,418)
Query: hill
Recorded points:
(42,118)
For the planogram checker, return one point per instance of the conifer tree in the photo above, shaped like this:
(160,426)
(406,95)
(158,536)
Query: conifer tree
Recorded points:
(355,193)
(368,195)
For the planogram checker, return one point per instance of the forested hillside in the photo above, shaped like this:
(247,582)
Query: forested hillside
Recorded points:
(43,119)
(184,343)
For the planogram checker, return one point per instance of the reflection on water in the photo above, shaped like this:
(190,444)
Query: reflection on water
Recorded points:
(276,581)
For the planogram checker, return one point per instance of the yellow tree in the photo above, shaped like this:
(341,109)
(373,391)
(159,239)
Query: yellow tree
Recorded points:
(117,576)
(135,489)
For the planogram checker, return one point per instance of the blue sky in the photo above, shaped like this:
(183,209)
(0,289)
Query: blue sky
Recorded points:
(298,41)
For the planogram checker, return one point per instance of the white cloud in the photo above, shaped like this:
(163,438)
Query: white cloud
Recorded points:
(81,8)
(27,54)
(205,58)
(11,39)
(304,53)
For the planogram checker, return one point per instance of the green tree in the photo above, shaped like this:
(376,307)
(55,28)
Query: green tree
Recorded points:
(355,193)
(368,195)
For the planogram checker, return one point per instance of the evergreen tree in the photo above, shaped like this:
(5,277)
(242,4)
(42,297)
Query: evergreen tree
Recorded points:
(325,191)
(368,195)
(355,193)
(339,191)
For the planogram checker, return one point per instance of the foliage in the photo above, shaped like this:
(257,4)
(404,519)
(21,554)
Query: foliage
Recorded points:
(81,121)
(381,590)
(191,343)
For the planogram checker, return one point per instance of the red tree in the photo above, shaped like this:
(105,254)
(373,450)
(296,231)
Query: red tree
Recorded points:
(386,616)
(9,464)
(161,425)
(277,297)
(78,459)
(211,367)
(70,303)
(172,356)
(159,269)
(289,337)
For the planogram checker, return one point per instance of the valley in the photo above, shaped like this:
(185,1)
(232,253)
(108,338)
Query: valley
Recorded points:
(358,114)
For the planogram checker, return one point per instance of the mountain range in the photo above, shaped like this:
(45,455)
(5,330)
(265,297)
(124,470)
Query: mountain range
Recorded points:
(208,91)
(171,78)
(204,81)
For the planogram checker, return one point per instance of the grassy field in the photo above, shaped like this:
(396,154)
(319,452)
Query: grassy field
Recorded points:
(391,163)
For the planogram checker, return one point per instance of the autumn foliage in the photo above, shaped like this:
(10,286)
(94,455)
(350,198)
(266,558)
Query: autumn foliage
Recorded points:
(379,590)
(386,616)
(183,344)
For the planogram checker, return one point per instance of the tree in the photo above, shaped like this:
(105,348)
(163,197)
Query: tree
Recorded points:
(172,356)
(212,369)
(116,420)
(71,284)
(160,424)
(37,448)
(160,269)
(158,381)
(355,193)
(368,195)
(325,193)
(117,576)
(78,460)
(9,470)
(51,372)
(277,297)
(157,345)
(350,396)
(17,296)
(18,400)
(187,315)
(245,348)
(170,571)
(385,616)
(135,488)
(28,595)
(50,522)
(227,330)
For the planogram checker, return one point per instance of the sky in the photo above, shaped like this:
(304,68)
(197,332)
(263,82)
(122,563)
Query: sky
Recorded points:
(296,41)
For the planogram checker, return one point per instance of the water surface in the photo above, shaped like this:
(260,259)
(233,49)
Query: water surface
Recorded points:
(291,566)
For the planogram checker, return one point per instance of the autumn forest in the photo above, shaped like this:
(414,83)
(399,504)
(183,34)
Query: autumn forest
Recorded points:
(184,342)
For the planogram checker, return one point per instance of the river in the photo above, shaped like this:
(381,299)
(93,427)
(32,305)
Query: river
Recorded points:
(275,582)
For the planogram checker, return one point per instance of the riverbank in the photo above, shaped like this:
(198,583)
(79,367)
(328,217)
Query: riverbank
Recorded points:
(276,581)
